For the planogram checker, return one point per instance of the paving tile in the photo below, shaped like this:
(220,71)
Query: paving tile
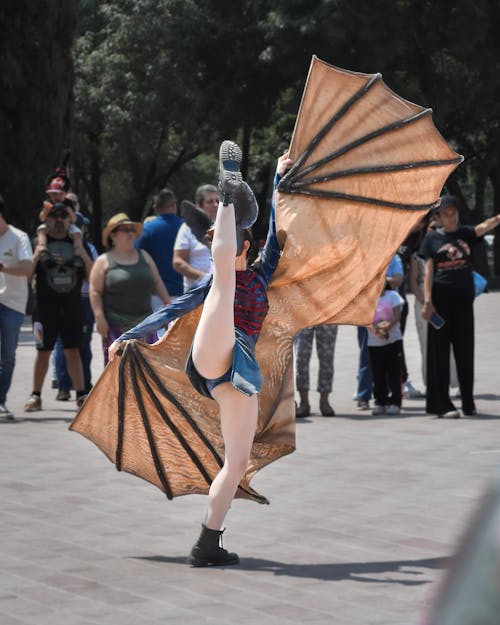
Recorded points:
(363,517)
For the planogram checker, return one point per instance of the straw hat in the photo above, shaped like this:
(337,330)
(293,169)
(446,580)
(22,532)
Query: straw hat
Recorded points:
(118,220)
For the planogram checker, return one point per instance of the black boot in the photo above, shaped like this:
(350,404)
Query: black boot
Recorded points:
(246,208)
(230,176)
(208,551)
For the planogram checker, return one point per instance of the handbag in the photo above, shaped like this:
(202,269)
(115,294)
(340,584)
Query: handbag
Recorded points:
(480,283)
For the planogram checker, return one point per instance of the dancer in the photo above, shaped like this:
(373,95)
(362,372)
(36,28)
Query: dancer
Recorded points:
(222,362)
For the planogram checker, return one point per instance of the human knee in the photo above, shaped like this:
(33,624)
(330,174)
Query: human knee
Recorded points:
(236,467)
(72,354)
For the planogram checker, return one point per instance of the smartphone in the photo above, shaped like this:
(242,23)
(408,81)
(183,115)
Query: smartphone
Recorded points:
(436,321)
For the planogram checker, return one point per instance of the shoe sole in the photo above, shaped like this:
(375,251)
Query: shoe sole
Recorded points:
(198,564)
(230,156)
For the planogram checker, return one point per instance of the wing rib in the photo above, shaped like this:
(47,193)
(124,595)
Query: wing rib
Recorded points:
(333,120)
(147,427)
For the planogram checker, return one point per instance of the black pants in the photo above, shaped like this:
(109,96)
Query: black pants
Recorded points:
(458,331)
(402,325)
(385,362)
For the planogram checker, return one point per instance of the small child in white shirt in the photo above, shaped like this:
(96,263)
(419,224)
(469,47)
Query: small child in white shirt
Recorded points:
(385,343)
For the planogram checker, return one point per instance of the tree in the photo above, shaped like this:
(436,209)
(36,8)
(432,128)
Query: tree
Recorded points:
(36,81)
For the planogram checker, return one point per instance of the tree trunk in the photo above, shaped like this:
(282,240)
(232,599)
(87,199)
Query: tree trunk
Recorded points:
(95,190)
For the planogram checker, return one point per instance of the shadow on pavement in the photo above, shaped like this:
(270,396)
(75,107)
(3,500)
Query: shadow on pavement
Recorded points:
(353,571)
(19,420)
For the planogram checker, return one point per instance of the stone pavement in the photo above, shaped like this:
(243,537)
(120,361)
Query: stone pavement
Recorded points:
(363,516)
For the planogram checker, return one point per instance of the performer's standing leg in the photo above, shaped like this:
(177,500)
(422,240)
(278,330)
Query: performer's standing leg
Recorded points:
(212,355)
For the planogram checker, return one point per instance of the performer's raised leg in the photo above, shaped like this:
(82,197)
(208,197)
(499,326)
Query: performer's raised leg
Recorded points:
(214,337)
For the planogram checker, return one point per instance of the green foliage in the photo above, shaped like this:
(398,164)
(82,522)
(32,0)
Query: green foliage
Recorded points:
(36,81)
(158,83)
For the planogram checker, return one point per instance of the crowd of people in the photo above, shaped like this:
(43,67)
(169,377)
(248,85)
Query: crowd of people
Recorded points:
(146,266)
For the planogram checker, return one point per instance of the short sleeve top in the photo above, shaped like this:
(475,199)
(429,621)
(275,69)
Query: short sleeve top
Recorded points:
(451,258)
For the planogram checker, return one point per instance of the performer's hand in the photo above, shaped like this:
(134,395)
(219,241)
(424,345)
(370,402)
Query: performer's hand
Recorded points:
(115,349)
(284,163)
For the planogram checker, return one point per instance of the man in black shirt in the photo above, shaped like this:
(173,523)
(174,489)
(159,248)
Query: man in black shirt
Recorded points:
(59,274)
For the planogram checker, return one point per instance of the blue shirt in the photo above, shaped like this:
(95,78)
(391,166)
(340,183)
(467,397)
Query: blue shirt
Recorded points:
(395,266)
(158,240)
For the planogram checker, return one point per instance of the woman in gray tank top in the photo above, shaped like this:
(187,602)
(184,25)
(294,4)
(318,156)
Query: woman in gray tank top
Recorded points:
(122,282)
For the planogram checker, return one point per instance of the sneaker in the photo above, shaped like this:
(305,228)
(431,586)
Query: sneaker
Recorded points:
(81,400)
(230,177)
(377,409)
(63,395)
(451,414)
(410,392)
(363,405)
(6,413)
(33,404)
(393,410)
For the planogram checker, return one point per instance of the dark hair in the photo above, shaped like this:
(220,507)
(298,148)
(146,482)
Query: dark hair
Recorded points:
(253,250)
(164,199)
(200,192)
(448,200)
(2,205)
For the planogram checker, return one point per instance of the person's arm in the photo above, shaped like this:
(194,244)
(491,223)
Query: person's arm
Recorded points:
(96,289)
(160,288)
(88,263)
(428,307)
(22,268)
(271,252)
(487,225)
(180,262)
(412,280)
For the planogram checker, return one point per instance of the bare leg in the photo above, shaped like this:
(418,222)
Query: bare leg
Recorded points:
(75,370)
(238,415)
(40,369)
(214,337)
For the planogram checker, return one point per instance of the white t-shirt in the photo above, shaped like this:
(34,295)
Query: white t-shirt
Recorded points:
(383,312)
(15,246)
(199,254)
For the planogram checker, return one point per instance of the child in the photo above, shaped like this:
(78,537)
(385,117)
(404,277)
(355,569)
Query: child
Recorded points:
(57,194)
(385,343)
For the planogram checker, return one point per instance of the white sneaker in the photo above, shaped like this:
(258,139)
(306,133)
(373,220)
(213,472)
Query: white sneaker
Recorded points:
(393,410)
(5,412)
(410,392)
(451,414)
(377,409)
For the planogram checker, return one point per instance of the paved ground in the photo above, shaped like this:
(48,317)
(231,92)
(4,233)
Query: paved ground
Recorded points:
(362,518)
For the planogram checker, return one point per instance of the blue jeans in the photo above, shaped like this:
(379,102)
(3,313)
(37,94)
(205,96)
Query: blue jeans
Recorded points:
(63,380)
(10,325)
(364,372)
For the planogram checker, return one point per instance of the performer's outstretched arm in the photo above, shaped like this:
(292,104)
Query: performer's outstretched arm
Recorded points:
(271,252)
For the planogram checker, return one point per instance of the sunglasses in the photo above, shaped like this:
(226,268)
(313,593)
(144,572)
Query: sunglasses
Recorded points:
(125,229)
(60,215)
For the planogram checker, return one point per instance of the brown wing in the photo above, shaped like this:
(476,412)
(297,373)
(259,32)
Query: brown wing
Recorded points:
(368,166)
(146,417)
